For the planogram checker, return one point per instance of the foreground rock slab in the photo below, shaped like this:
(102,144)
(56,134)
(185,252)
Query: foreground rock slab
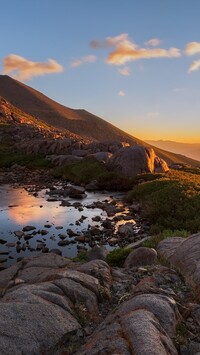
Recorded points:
(44,302)
(142,325)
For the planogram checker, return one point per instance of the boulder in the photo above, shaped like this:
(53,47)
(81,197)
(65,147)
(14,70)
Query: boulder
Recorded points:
(140,257)
(44,302)
(101,156)
(184,254)
(136,160)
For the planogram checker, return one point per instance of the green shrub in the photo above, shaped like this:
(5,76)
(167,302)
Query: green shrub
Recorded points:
(172,202)
(117,256)
(8,158)
(167,233)
(83,171)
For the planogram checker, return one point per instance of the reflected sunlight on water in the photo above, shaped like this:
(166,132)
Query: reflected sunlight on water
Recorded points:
(18,208)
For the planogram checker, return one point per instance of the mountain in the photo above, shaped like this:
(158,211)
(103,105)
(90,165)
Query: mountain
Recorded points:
(77,121)
(191,150)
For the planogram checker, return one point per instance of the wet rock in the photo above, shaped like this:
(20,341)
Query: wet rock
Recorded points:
(71,233)
(19,234)
(92,186)
(28,228)
(127,229)
(10,245)
(2,241)
(140,257)
(28,236)
(44,232)
(59,227)
(62,243)
(96,218)
(47,225)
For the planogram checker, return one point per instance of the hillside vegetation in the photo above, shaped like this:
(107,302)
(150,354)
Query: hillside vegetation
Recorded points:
(171,202)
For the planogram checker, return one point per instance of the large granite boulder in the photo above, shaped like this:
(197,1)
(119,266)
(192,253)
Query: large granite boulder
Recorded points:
(184,254)
(140,257)
(136,160)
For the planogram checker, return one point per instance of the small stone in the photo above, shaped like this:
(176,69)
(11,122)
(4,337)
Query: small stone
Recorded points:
(28,228)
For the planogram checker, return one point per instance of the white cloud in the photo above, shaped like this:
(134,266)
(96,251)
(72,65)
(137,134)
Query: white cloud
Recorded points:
(124,71)
(154,42)
(126,51)
(79,61)
(194,66)
(23,69)
(121,93)
(192,48)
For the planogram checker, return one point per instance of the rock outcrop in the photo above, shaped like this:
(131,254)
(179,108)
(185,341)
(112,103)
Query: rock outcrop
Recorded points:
(136,160)
(52,305)
(184,254)
(43,301)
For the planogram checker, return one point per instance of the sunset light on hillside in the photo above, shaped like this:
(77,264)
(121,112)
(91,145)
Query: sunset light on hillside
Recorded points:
(122,61)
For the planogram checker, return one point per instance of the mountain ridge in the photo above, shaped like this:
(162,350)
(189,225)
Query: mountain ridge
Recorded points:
(77,121)
(191,150)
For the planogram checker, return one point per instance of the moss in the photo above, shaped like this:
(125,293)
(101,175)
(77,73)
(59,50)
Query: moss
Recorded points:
(82,257)
(118,256)
(83,171)
(167,233)
(8,158)
(181,335)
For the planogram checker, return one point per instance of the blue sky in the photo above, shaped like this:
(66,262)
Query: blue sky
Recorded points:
(134,63)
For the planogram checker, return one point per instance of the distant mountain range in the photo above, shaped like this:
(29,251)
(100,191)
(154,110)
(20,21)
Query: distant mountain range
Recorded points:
(191,150)
(77,121)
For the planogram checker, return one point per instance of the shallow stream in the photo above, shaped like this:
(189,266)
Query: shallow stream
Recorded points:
(20,208)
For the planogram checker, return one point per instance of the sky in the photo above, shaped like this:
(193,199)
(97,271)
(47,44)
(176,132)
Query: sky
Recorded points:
(134,63)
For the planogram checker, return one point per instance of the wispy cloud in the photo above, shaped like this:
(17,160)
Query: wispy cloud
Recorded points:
(109,41)
(124,71)
(192,48)
(194,66)
(154,42)
(153,114)
(126,51)
(83,60)
(121,93)
(23,69)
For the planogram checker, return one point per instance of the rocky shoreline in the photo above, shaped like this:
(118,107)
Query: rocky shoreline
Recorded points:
(115,224)
(53,305)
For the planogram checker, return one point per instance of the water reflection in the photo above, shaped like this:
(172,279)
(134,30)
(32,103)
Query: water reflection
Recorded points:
(18,208)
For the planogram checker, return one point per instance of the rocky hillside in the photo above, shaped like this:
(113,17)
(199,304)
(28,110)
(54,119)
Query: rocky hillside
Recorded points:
(77,122)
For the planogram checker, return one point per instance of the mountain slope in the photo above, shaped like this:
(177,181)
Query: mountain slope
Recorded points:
(191,150)
(79,122)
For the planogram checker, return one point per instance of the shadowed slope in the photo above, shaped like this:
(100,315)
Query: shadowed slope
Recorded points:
(80,122)
(77,121)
